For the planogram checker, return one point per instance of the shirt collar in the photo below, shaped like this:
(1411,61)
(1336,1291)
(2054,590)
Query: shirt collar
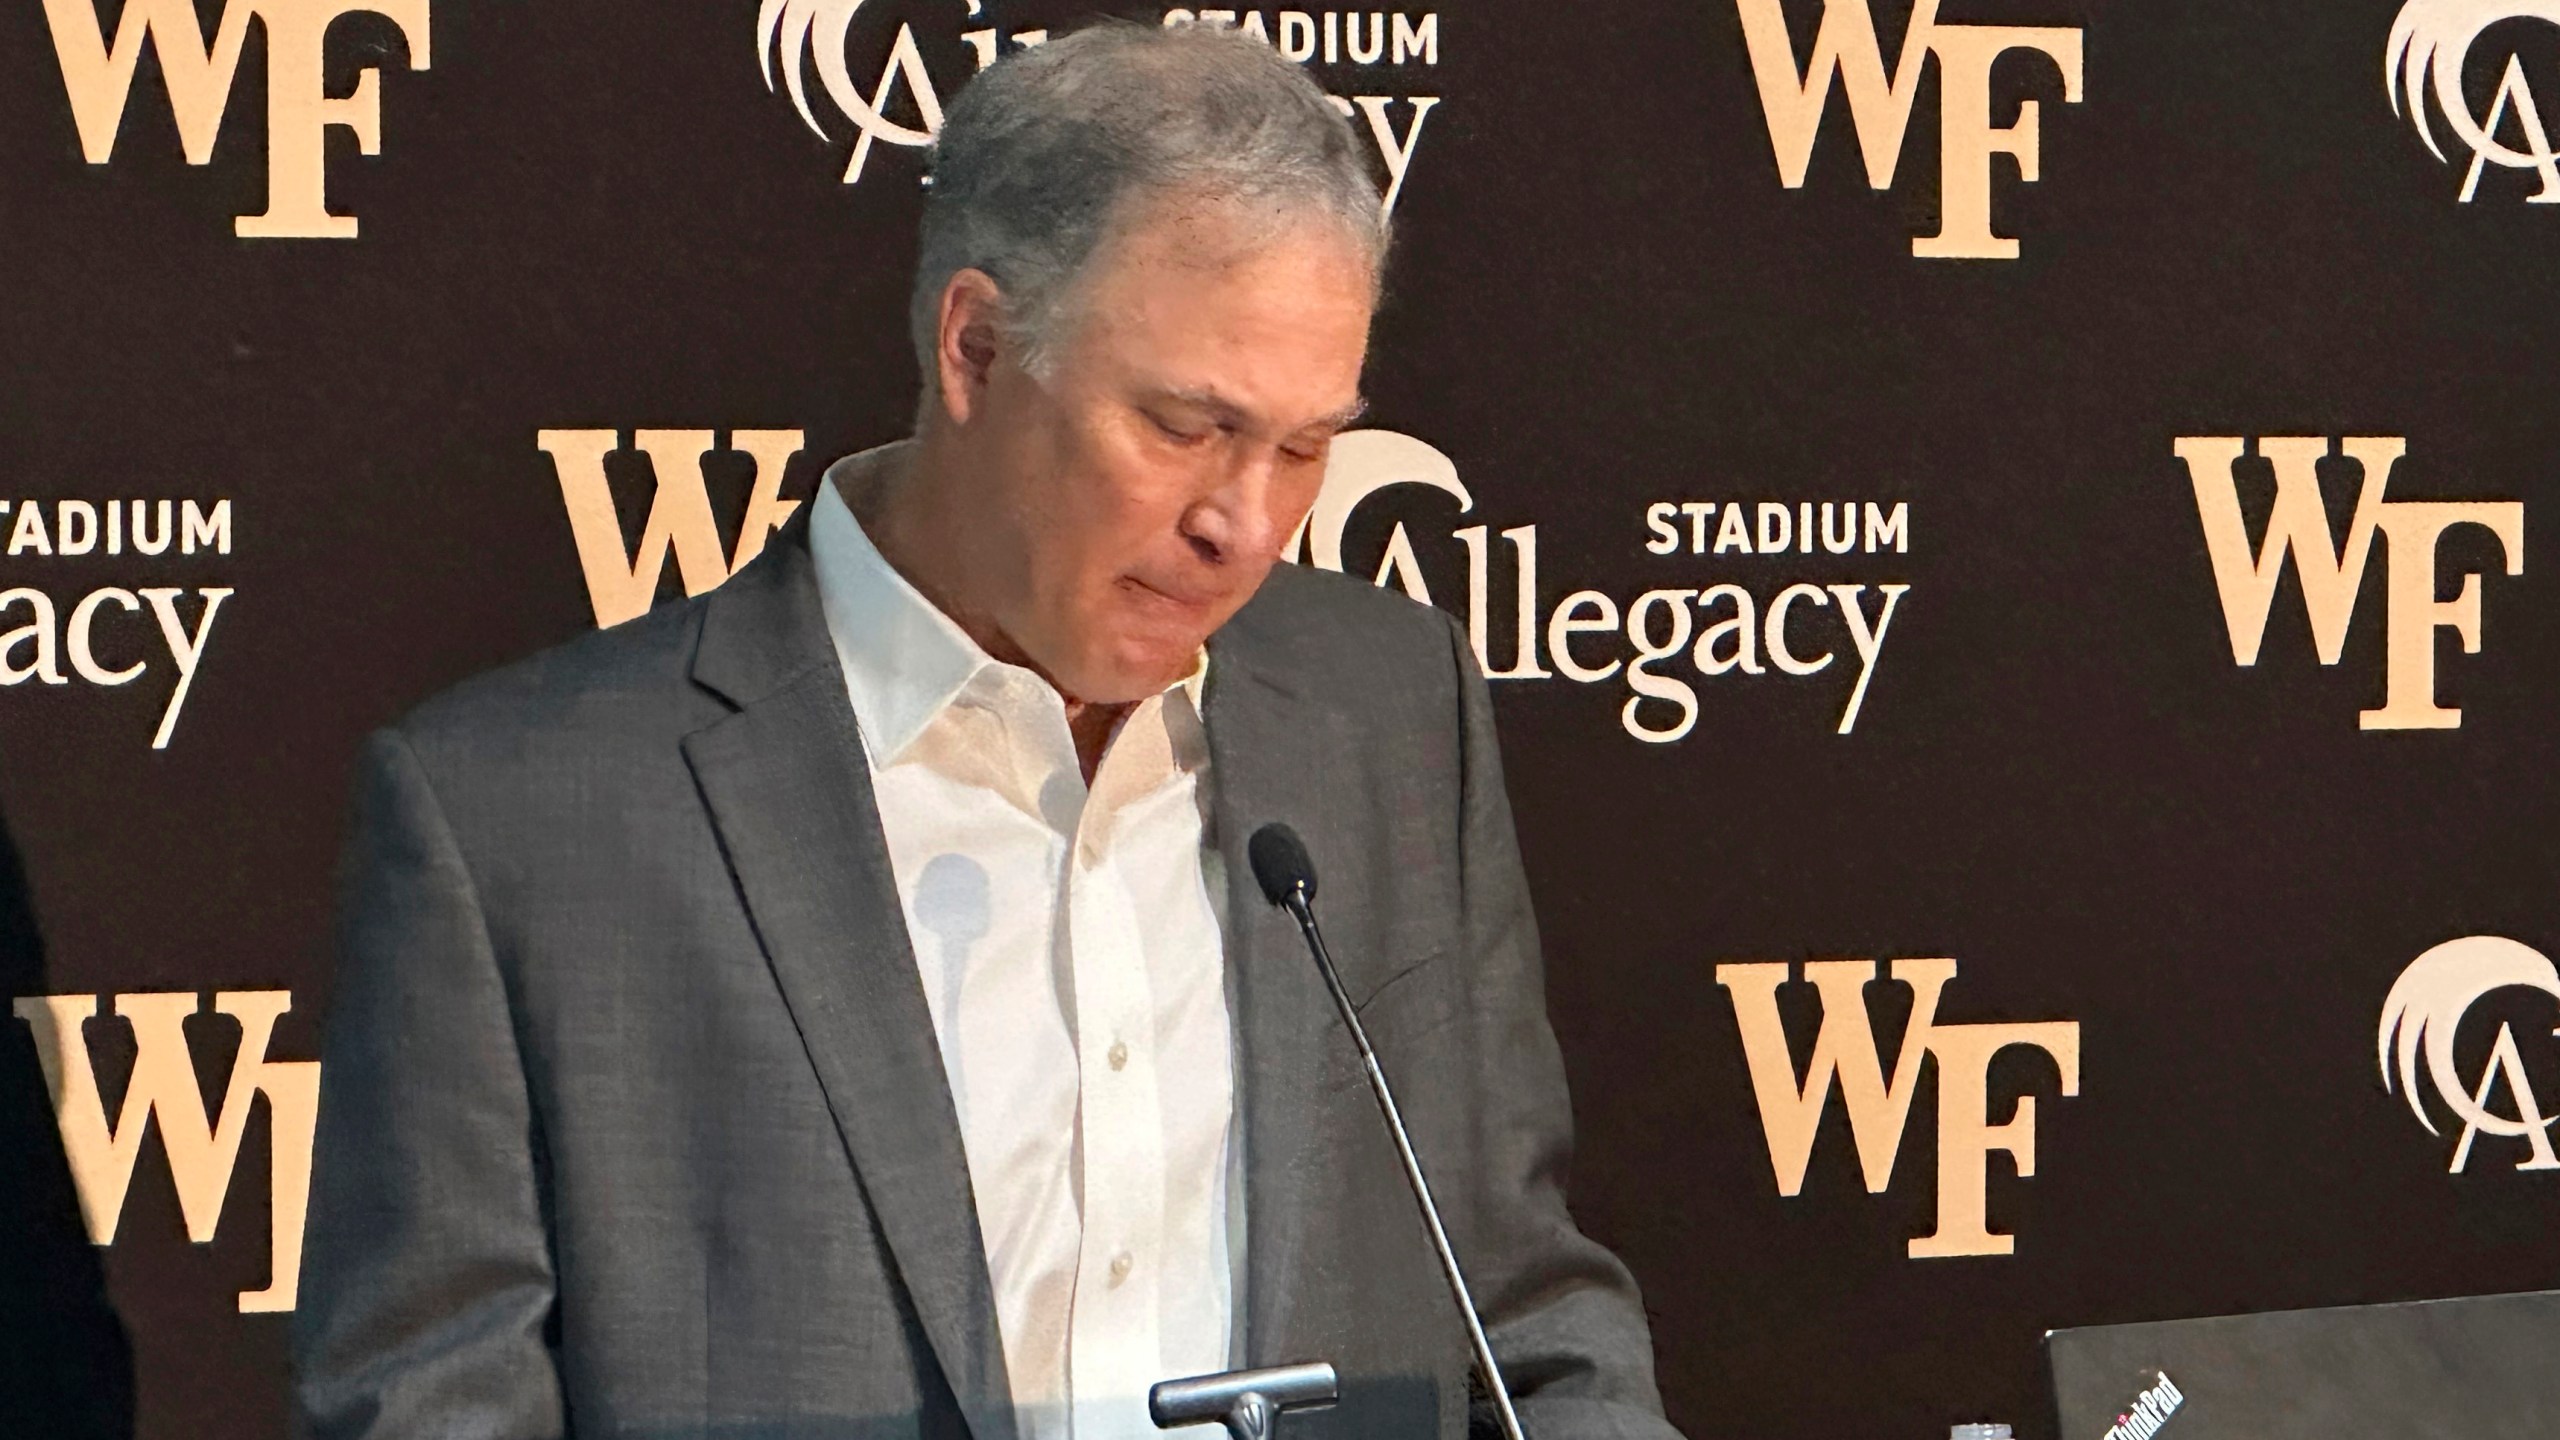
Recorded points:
(1194,684)
(904,661)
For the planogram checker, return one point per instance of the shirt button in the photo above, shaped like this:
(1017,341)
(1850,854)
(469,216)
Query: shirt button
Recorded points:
(1119,1055)
(1121,1265)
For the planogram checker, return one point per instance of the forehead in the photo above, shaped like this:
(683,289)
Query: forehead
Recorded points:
(1205,293)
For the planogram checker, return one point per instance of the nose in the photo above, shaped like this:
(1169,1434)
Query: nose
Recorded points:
(1233,519)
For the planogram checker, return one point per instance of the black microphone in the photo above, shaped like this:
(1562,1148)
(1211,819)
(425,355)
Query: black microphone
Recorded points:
(1288,879)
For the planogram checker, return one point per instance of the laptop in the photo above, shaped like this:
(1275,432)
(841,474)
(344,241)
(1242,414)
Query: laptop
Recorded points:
(2484,1368)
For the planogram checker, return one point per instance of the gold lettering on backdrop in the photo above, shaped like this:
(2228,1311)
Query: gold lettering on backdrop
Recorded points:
(621,584)
(1658,639)
(796,36)
(1845,45)
(2332,568)
(2423,1015)
(202,1150)
(1846,1056)
(98,77)
(2430,51)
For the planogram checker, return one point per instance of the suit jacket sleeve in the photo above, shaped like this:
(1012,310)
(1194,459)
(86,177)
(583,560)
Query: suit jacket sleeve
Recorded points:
(427,1280)
(1561,1311)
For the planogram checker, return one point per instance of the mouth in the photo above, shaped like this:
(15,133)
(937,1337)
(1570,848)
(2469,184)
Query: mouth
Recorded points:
(1179,600)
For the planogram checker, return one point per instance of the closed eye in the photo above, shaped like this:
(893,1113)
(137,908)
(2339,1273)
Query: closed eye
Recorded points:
(1176,433)
(1309,449)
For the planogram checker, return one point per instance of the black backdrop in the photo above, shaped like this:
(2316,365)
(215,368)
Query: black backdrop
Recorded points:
(594,216)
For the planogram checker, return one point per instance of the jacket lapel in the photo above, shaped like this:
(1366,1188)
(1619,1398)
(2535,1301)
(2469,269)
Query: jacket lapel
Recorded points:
(789,791)
(1262,739)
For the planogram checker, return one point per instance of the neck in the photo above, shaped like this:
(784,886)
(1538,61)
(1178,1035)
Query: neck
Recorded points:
(904,500)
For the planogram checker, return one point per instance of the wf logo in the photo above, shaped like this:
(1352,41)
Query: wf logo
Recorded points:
(1793,99)
(1845,1053)
(99,77)
(202,1150)
(2332,572)
(2423,1013)
(621,583)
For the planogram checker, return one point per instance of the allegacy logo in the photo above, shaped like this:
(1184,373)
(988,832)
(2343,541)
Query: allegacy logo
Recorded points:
(1793,97)
(1733,624)
(1846,1054)
(2424,1013)
(100,638)
(2430,43)
(198,74)
(2332,569)
(794,36)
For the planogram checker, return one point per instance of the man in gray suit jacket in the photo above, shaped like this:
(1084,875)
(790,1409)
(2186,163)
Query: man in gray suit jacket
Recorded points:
(839,1005)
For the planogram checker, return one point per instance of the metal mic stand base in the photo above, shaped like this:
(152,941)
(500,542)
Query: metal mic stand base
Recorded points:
(1248,1402)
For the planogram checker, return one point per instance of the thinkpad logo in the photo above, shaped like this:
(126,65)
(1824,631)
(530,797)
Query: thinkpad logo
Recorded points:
(2149,1411)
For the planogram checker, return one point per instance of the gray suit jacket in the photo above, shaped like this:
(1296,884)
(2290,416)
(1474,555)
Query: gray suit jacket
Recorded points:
(633,1123)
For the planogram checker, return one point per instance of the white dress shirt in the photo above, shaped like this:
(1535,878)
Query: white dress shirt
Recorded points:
(1071,955)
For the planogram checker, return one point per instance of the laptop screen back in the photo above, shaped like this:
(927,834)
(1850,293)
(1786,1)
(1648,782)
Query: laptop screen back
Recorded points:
(2486,1368)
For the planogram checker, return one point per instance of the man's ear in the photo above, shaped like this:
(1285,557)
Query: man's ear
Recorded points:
(966,344)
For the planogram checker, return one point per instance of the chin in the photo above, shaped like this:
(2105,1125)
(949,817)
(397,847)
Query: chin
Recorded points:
(1127,678)
(1126,656)
(1099,680)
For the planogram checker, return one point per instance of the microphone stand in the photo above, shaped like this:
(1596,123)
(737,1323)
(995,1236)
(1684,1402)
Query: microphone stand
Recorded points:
(1293,896)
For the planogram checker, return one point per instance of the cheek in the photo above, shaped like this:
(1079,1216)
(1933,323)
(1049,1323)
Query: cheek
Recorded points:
(1104,517)
(1059,493)
(1291,501)
(1134,490)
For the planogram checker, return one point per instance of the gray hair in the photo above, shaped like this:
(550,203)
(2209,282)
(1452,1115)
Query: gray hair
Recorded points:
(1041,155)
